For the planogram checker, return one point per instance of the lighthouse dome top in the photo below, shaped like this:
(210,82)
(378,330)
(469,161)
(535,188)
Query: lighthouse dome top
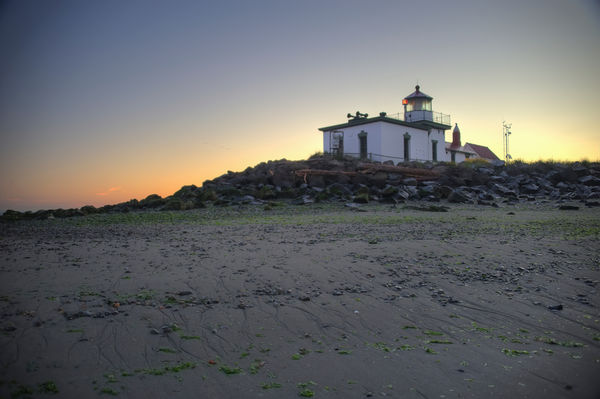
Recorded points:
(418,94)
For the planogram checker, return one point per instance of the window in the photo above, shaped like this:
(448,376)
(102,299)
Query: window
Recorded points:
(434,150)
(406,147)
(452,156)
(362,141)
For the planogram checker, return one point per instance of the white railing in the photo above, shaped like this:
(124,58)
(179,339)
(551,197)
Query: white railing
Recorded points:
(416,116)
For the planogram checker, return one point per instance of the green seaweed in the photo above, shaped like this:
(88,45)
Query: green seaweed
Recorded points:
(271,385)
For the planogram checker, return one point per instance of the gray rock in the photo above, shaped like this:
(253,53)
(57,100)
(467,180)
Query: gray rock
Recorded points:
(410,181)
(460,196)
(530,188)
(589,180)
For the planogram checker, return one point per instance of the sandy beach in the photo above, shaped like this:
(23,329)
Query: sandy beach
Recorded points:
(317,301)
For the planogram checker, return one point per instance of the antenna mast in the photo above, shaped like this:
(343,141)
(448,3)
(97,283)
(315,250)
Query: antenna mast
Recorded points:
(505,135)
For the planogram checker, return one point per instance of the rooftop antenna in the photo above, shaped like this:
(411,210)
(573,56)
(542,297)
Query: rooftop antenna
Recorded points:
(505,135)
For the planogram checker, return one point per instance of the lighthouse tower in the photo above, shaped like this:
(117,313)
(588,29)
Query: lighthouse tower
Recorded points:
(417,108)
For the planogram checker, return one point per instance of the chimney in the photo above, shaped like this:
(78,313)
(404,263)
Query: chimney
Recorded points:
(455,136)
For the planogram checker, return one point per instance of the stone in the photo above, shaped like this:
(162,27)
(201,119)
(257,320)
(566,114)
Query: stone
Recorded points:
(410,181)
(568,208)
(589,180)
(459,196)
(389,191)
(530,188)
(361,198)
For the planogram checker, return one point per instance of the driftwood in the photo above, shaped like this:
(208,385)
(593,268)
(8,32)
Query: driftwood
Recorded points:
(419,174)
(403,170)
(321,172)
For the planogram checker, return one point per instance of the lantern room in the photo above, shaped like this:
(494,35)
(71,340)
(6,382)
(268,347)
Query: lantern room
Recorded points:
(417,101)
(417,108)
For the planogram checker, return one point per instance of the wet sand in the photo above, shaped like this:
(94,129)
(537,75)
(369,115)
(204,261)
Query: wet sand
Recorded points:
(299,301)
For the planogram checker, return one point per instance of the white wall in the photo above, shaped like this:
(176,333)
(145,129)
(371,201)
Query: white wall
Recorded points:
(458,157)
(385,141)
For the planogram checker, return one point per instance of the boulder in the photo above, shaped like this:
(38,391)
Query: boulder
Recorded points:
(389,191)
(530,188)
(361,198)
(379,179)
(589,180)
(410,181)
(152,201)
(460,196)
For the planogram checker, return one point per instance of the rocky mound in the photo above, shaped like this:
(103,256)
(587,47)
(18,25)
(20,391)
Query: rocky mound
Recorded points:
(323,179)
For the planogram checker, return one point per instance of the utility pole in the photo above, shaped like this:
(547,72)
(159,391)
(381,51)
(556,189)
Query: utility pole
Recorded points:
(505,135)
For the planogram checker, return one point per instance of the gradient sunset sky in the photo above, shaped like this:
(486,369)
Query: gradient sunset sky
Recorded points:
(104,101)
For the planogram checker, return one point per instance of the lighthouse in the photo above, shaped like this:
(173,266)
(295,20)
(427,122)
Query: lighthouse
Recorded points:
(416,135)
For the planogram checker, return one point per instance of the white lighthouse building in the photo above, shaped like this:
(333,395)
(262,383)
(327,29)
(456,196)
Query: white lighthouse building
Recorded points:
(416,135)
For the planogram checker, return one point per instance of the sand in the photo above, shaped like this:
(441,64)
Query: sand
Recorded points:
(320,301)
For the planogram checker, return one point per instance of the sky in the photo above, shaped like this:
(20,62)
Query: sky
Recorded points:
(105,101)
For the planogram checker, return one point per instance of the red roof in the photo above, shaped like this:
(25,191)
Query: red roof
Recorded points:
(483,151)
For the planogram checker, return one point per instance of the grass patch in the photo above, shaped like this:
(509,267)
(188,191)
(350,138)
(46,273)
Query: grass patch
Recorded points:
(514,352)
(255,366)
(168,369)
(271,385)
(167,350)
(480,329)
(381,346)
(109,391)
(189,337)
(566,344)
(230,370)
(48,387)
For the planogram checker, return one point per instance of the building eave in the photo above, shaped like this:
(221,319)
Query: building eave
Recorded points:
(421,125)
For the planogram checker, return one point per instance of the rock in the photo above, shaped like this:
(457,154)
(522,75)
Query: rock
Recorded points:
(429,208)
(568,208)
(361,198)
(442,191)
(410,181)
(502,190)
(530,189)
(589,180)
(304,200)
(354,206)
(152,201)
(555,307)
(402,195)
(173,204)
(459,196)
(339,190)
(379,179)
(389,191)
